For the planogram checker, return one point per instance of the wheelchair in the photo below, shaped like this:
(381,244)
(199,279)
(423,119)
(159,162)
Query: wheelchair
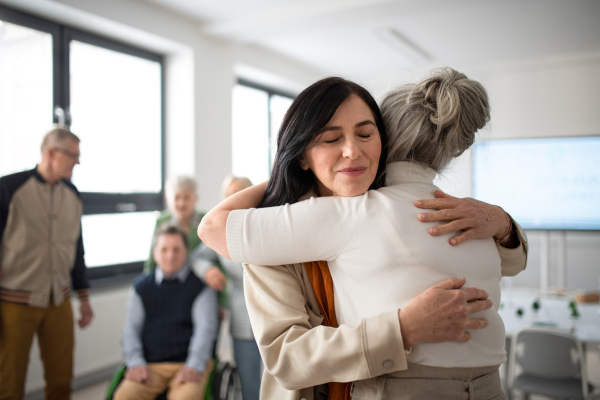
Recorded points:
(223,383)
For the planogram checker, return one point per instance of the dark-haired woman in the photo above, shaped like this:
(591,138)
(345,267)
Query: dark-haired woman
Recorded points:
(338,158)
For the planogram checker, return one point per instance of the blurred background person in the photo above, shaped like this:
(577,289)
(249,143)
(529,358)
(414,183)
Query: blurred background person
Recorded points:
(170,327)
(41,258)
(181,194)
(245,350)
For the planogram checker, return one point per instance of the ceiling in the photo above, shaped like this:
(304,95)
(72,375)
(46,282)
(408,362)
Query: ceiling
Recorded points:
(364,39)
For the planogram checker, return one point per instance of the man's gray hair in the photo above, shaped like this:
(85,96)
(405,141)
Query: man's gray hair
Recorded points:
(434,121)
(58,136)
(169,228)
(180,183)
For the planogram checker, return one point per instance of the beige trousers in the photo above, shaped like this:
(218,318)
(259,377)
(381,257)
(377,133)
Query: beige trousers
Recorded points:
(163,377)
(53,326)
(423,382)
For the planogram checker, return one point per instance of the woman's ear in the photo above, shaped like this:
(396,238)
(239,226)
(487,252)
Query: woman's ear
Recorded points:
(303,163)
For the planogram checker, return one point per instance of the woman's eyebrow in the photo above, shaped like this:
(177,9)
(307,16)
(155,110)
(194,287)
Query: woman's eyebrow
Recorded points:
(363,123)
(339,128)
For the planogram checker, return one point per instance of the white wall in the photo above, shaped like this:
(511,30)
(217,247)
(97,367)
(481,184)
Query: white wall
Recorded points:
(551,98)
(200,73)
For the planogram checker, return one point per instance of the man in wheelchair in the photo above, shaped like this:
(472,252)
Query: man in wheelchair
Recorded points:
(170,328)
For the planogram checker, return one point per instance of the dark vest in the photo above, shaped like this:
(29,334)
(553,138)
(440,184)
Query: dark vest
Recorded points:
(168,325)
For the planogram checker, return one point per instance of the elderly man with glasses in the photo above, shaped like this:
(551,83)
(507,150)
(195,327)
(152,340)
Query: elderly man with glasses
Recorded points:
(41,259)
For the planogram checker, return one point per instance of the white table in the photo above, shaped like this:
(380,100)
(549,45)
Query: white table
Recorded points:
(554,313)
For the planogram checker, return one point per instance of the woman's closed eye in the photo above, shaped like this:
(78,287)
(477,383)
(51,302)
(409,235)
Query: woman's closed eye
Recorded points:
(365,135)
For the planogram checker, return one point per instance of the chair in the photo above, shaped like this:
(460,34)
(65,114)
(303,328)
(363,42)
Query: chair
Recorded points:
(551,362)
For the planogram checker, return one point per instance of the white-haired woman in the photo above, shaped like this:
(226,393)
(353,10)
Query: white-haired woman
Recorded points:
(205,263)
(181,195)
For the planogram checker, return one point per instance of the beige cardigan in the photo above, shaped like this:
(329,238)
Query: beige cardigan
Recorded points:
(299,353)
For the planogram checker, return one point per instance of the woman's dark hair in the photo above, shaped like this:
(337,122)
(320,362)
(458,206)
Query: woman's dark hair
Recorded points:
(305,119)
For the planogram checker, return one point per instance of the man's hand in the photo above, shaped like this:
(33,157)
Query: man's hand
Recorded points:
(85,309)
(477,219)
(139,374)
(215,279)
(441,314)
(187,375)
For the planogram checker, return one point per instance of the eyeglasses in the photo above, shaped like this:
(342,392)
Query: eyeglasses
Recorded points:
(74,156)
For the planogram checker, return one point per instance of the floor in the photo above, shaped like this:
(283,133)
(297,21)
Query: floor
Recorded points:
(96,391)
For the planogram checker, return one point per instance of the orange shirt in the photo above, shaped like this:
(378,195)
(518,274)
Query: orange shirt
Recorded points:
(322,284)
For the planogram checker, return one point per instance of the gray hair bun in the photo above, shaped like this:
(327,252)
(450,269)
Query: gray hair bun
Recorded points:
(456,105)
(435,120)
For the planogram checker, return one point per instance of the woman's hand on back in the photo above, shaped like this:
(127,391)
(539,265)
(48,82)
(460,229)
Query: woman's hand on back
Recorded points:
(477,220)
(441,314)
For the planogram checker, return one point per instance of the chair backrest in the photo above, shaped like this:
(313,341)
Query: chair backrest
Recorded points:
(548,353)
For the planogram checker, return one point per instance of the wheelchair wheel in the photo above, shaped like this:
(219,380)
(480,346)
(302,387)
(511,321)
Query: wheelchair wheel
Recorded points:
(226,383)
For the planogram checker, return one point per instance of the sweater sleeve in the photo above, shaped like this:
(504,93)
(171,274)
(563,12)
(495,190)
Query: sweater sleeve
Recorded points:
(131,342)
(79,276)
(5,197)
(298,351)
(513,261)
(206,326)
(314,229)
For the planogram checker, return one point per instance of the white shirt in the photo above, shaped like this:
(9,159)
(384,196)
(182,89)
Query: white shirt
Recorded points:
(380,257)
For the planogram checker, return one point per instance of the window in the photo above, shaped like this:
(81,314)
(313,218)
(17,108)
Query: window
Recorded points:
(111,94)
(257,114)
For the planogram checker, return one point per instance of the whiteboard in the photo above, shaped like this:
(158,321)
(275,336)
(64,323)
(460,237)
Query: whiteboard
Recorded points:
(549,183)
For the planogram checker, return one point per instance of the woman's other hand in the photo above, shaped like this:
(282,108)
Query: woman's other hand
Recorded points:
(441,314)
(477,220)
(215,279)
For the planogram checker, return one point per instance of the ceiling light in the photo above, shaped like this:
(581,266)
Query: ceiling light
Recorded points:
(403,45)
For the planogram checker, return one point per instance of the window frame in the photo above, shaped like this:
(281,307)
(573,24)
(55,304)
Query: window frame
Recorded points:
(97,202)
(270,93)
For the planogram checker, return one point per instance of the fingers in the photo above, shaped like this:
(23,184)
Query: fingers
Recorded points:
(451,226)
(439,203)
(479,305)
(463,237)
(450,284)
(465,337)
(217,283)
(441,195)
(446,214)
(476,323)
(473,294)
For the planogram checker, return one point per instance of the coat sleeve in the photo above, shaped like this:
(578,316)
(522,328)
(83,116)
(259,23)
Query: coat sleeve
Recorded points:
(513,261)
(298,351)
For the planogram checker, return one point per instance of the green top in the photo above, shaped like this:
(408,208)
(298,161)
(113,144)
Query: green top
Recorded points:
(193,242)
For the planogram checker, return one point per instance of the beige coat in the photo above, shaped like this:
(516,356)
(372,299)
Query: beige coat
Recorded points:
(299,353)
